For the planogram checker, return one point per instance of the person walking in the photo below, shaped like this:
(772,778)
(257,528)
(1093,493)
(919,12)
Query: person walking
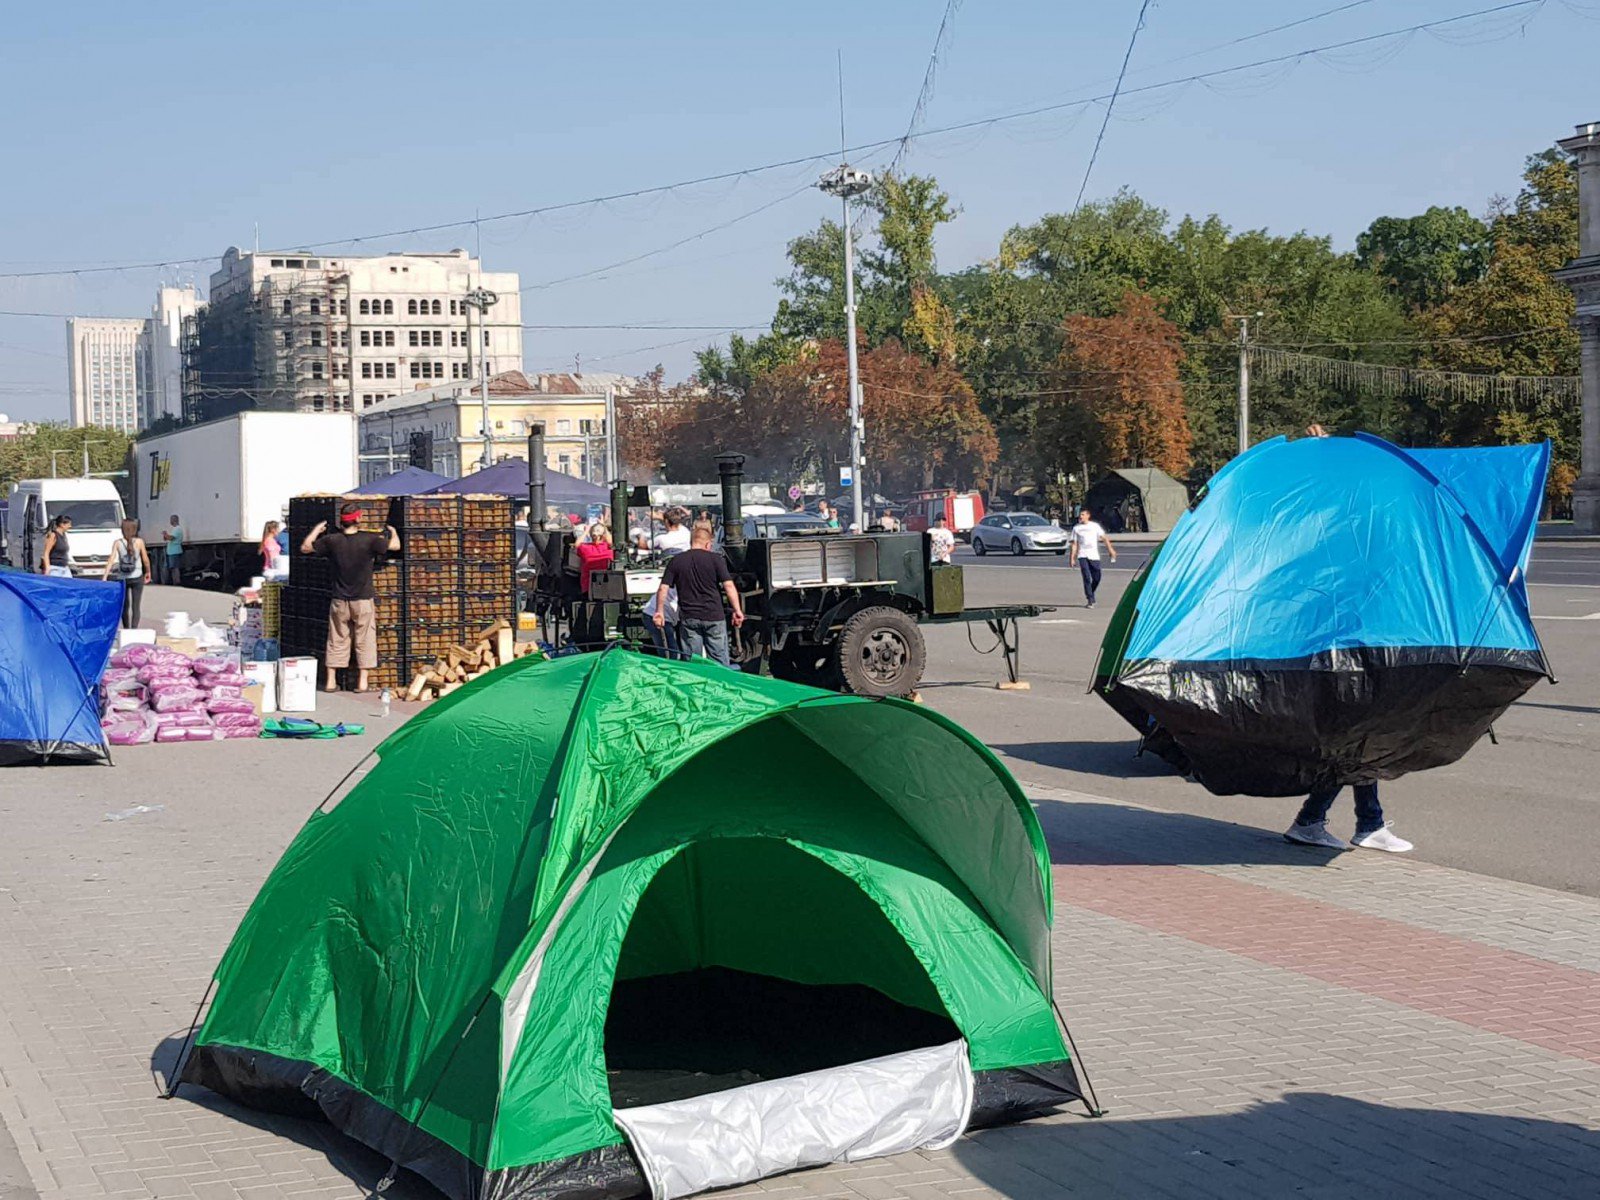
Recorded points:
(1310,827)
(701,577)
(941,542)
(352,554)
(826,514)
(1087,535)
(129,562)
(172,561)
(54,558)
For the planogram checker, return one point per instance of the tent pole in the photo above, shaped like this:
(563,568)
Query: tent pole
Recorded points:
(183,1050)
(1092,1100)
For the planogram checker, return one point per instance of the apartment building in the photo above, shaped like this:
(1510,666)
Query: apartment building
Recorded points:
(105,371)
(299,330)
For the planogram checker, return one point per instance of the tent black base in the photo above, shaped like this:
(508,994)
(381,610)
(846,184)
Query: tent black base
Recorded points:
(299,1089)
(1283,728)
(28,752)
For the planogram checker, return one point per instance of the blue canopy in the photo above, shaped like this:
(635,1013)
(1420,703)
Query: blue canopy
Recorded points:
(411,481)
(510,478)
(1336,610)
(55,638)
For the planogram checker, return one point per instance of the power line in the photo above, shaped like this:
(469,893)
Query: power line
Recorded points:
(1138,25)
(919,110)
(830,155)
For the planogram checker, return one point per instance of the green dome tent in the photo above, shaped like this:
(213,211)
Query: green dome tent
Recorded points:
(611,925)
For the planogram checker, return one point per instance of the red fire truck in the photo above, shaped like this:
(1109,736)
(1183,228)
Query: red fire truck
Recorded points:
(962,510)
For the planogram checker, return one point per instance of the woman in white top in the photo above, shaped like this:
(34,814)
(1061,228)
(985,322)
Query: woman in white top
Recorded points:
(130,562)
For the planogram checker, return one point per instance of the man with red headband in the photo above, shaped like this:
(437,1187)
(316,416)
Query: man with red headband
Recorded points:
(352,554)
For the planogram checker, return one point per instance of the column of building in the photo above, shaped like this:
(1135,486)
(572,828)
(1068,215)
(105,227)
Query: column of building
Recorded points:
(1582,275)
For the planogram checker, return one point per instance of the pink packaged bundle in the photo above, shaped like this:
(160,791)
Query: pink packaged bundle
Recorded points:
(172,733)
(163,673)
(223,691)
(177,699)
(200,733)
(130,729)
(118,675)
(225,704)
(239,731)
(237,720)
(184,718)
(215,666)
(133,656)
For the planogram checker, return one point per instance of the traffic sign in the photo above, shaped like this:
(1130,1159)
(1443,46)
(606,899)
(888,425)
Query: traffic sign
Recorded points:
(846,477)
(794,491)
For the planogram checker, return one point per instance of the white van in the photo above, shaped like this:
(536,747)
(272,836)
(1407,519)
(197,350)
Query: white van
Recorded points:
(94,506)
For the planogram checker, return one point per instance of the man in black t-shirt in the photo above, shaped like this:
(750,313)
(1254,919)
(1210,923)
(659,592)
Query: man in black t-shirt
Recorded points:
(352,554)
(701,576)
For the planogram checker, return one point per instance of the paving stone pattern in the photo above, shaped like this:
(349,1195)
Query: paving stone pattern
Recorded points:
(1260,1021)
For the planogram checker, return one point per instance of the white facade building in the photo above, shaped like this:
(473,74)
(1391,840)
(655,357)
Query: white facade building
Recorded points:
(294,329)
(163,333)
(105,371)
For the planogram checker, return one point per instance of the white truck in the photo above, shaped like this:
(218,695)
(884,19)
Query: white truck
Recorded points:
(94,506)
(225,479)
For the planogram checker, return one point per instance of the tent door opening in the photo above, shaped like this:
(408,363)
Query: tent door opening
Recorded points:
(749,960)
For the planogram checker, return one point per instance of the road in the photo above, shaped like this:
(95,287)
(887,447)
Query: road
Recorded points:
(1527,809)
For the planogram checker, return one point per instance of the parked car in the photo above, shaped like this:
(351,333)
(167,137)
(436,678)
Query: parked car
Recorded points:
(1019,532)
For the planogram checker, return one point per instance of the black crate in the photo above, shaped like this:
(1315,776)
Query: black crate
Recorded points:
(426,512)
(434,578)
(431,545)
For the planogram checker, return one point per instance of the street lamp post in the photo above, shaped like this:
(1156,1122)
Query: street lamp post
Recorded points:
(844,181)
(483,299)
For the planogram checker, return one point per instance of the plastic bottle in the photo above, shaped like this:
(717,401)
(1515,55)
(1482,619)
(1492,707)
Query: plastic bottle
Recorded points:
(384,698)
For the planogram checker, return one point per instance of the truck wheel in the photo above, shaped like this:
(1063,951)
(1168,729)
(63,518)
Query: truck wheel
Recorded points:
(880,652)
(810,665)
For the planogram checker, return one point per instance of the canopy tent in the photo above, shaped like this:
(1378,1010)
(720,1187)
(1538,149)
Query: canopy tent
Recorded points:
(55,638)
(509,477)
(615,925)
(1137,500)
(409,481)
(1335,610)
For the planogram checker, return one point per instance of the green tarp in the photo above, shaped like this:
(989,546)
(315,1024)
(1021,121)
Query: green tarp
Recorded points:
(432,962)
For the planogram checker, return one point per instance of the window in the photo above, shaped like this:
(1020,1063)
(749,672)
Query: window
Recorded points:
(411,307)
(316,307)
(563,426)
(277,262)
(453,311)
(344,308)
(288,337)
(316,370)
(485,337)
(413,337)
(366,337)
(296,263)
(388,337)
(438,337)
(416,370)
(366,370)
(388,370)
(362,308)
(564,462)
(388,308)
(288,309)
(437,309)
(316,337)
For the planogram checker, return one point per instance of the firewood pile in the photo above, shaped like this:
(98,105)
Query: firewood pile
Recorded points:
(494,647)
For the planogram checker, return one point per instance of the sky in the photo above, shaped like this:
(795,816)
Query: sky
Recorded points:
(136,137)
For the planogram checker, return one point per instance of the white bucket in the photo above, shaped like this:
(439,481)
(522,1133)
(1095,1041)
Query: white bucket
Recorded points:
(266,674)
(297,685)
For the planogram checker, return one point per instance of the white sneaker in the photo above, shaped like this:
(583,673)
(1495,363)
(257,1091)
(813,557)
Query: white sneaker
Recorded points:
(1316,834)
(1381,839)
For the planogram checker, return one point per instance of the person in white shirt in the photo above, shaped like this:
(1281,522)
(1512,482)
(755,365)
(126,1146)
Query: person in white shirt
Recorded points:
(941,542)
(674,539)
(1086,538)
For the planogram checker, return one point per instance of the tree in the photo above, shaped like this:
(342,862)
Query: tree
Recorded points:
(28,456)
(1425,258)
(1118,399)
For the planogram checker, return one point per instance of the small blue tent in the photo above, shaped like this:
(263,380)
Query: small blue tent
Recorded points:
(55,638)
(1333,611)
(408,481)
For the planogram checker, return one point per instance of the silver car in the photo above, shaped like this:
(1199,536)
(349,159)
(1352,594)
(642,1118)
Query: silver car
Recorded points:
(1019,532)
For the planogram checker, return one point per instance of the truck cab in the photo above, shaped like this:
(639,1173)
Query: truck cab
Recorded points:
(94,505)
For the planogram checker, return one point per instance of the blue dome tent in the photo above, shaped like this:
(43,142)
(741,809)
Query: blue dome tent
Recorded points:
(55,638)
(1333,611)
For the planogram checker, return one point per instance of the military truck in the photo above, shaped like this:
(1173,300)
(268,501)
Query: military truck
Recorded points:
(834,610)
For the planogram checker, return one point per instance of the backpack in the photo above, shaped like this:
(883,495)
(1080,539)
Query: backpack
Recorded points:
(127,560)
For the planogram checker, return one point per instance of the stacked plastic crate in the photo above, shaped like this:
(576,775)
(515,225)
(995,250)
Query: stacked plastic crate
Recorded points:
(306,597)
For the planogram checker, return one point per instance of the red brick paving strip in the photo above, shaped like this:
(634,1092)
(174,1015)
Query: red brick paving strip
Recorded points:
(1500,991)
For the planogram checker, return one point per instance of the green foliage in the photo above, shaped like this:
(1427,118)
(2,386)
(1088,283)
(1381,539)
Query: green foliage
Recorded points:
(1426,258)
(29,457)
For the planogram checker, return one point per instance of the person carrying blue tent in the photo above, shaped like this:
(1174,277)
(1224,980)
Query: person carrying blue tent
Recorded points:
(1333,612)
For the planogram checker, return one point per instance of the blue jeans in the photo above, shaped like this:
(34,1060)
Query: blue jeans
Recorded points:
(705,637)
(1091,576)
(665,639)
(1369,813)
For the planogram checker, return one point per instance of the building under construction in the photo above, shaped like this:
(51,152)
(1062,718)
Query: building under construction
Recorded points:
(297,331)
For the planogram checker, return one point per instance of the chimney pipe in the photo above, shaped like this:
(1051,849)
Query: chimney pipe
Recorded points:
(731,468)
(619,520)
(536,484)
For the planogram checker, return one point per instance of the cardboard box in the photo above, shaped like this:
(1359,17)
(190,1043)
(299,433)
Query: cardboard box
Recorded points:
(254,692)
(185,645)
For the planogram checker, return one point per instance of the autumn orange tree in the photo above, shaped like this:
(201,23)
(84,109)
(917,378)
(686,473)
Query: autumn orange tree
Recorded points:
(923,423)
(1115,398)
